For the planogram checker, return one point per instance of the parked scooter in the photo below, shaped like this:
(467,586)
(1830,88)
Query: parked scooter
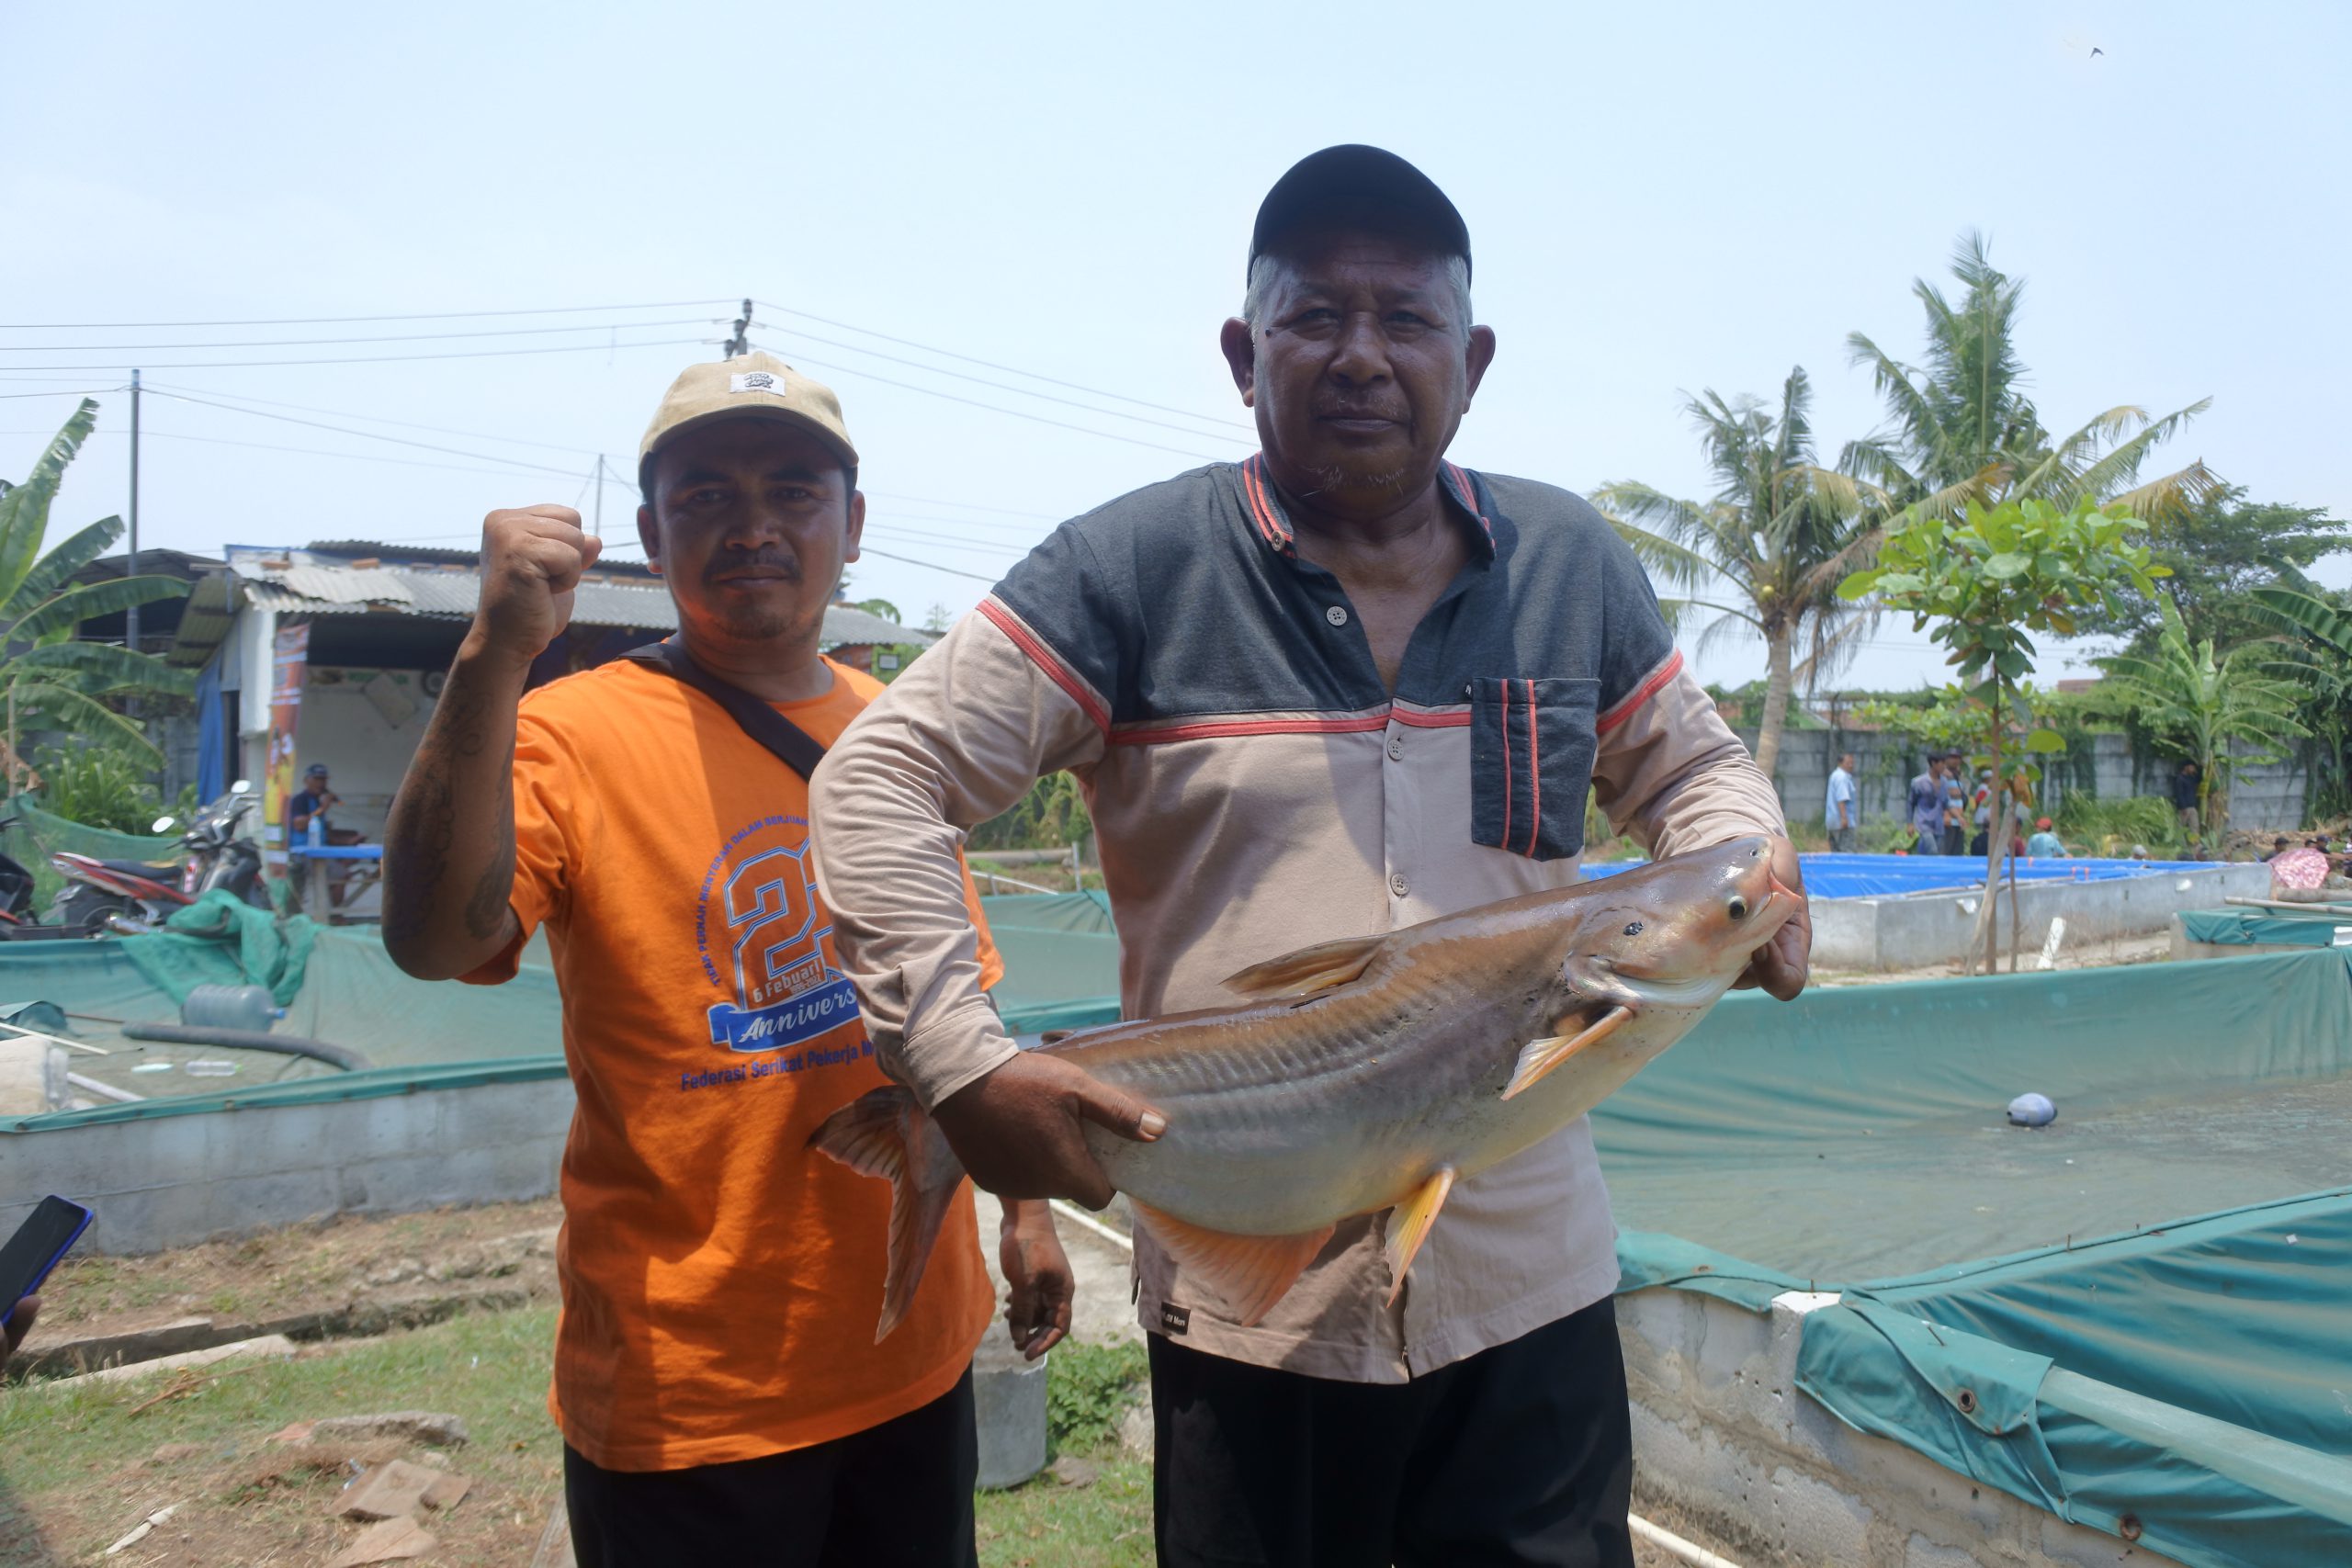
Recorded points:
(128,898)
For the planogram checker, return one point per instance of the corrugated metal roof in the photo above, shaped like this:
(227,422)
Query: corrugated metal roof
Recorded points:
(448,593)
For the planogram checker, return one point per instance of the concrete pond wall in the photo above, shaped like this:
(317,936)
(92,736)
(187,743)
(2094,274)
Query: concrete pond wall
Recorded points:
(1727,1444)
(1918,930)
(158,1181)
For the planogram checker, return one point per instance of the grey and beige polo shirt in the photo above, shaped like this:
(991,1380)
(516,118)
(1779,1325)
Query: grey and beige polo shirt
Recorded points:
(1255,788)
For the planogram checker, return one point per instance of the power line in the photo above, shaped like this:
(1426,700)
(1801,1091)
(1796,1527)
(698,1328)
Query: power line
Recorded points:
(299,451)
(84,392)
(1016,392)
(345,320)
(992,365)
(1016,414)
(375,418)
(966,505)
(933,565)
(948,541)
(386,358)
(394,338)
(370,436)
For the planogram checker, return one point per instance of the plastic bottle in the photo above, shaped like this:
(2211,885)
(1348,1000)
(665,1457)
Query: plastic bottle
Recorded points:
(230,1007)
(316,832)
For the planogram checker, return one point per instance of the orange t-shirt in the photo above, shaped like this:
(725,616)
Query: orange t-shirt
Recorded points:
(720,1282)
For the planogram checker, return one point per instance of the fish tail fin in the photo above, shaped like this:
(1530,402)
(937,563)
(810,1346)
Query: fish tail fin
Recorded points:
(885,1133)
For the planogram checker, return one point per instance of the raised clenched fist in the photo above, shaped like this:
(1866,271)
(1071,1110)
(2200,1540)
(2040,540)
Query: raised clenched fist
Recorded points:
(531,560)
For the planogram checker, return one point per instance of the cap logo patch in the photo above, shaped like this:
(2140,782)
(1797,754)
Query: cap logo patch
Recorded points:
(756,381)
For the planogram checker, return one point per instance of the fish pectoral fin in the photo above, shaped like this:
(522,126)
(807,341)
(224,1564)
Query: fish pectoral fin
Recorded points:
(1408,1227)
(1539,1056)
(1249,1273)
(1307,971)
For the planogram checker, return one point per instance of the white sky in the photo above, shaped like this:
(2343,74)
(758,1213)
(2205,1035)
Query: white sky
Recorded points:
(1661,198)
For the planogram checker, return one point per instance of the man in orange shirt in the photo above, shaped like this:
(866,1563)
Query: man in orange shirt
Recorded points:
(717,1380)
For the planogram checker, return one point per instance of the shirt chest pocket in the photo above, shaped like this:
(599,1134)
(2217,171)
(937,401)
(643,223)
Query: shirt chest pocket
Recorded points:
(1531,745)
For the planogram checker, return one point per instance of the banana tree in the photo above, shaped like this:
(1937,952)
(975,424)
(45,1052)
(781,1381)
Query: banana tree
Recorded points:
(1986,581)
(46,677)
(2314,651)
(2207,705)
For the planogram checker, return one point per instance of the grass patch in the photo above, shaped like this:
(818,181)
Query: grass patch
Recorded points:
(77,1473)
(1107,1525)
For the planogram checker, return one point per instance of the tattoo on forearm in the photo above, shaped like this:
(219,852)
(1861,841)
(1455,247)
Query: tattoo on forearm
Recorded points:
(421,839)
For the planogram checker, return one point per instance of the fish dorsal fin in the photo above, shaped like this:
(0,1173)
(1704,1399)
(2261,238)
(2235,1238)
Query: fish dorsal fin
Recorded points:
(1308,970)
(1408,1227)
(1248,1273)
(1539,1056)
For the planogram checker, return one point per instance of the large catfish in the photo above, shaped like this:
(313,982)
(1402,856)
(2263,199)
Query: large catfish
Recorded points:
(1369,1074)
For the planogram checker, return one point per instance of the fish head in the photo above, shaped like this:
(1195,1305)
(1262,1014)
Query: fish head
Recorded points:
(1678,931)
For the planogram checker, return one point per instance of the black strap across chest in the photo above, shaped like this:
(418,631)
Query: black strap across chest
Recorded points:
(798,749)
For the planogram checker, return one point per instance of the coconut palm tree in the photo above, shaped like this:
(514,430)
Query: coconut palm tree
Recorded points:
(1960,427)
(2204,704)
(45,678)
(1772,547)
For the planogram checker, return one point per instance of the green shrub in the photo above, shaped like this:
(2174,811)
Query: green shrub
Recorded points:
(2092,827)
(1088,1388)
(98,787)
(1052,815)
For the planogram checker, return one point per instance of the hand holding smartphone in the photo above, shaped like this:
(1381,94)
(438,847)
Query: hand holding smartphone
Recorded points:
(47,1234)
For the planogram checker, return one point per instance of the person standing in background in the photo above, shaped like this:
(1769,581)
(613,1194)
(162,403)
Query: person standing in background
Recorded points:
(1925,810)
(1840,816)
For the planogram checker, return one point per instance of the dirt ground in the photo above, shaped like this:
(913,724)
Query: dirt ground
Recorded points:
(349,1276)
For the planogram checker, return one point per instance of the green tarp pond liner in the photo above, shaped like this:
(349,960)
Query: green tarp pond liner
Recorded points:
(2234,927)
(1061,956)
(2115,1358)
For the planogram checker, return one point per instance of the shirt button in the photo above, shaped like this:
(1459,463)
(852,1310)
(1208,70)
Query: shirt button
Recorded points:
(1337,615)
(1398,885)
(1397,750)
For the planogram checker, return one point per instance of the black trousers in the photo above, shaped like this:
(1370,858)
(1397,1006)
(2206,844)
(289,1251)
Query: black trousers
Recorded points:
(1519,1455)
(896,1496)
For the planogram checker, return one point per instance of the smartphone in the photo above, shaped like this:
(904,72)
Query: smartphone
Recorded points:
(48,1232)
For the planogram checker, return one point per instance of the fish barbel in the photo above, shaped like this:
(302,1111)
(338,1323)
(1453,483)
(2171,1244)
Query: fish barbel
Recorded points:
(1368,1074)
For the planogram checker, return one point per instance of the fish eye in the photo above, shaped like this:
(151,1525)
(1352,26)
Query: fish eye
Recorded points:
(1737,908)
(1634,928)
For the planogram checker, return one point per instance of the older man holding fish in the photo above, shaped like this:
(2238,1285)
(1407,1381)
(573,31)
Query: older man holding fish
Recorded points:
(1331,706)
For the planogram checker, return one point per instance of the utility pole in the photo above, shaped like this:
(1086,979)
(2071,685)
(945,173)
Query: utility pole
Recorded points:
(130,566)
(736,346)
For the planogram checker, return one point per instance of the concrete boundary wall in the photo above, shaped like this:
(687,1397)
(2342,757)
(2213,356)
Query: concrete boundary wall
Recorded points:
(1724,1440)
(167,1181)
(2262,795)
(1921,928)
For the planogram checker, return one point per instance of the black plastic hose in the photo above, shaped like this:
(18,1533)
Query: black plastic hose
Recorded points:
(343,1056)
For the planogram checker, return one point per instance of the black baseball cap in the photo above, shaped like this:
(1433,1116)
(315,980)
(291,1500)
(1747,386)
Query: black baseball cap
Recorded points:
(1364,187)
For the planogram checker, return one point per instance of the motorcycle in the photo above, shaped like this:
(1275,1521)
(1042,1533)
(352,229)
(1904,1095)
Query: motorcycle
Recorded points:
(128,898)
(16,889)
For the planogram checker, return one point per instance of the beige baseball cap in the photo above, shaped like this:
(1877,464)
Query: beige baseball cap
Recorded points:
(755,385)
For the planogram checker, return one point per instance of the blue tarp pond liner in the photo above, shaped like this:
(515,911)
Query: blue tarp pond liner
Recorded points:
(1892,877)
(2028,1307)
